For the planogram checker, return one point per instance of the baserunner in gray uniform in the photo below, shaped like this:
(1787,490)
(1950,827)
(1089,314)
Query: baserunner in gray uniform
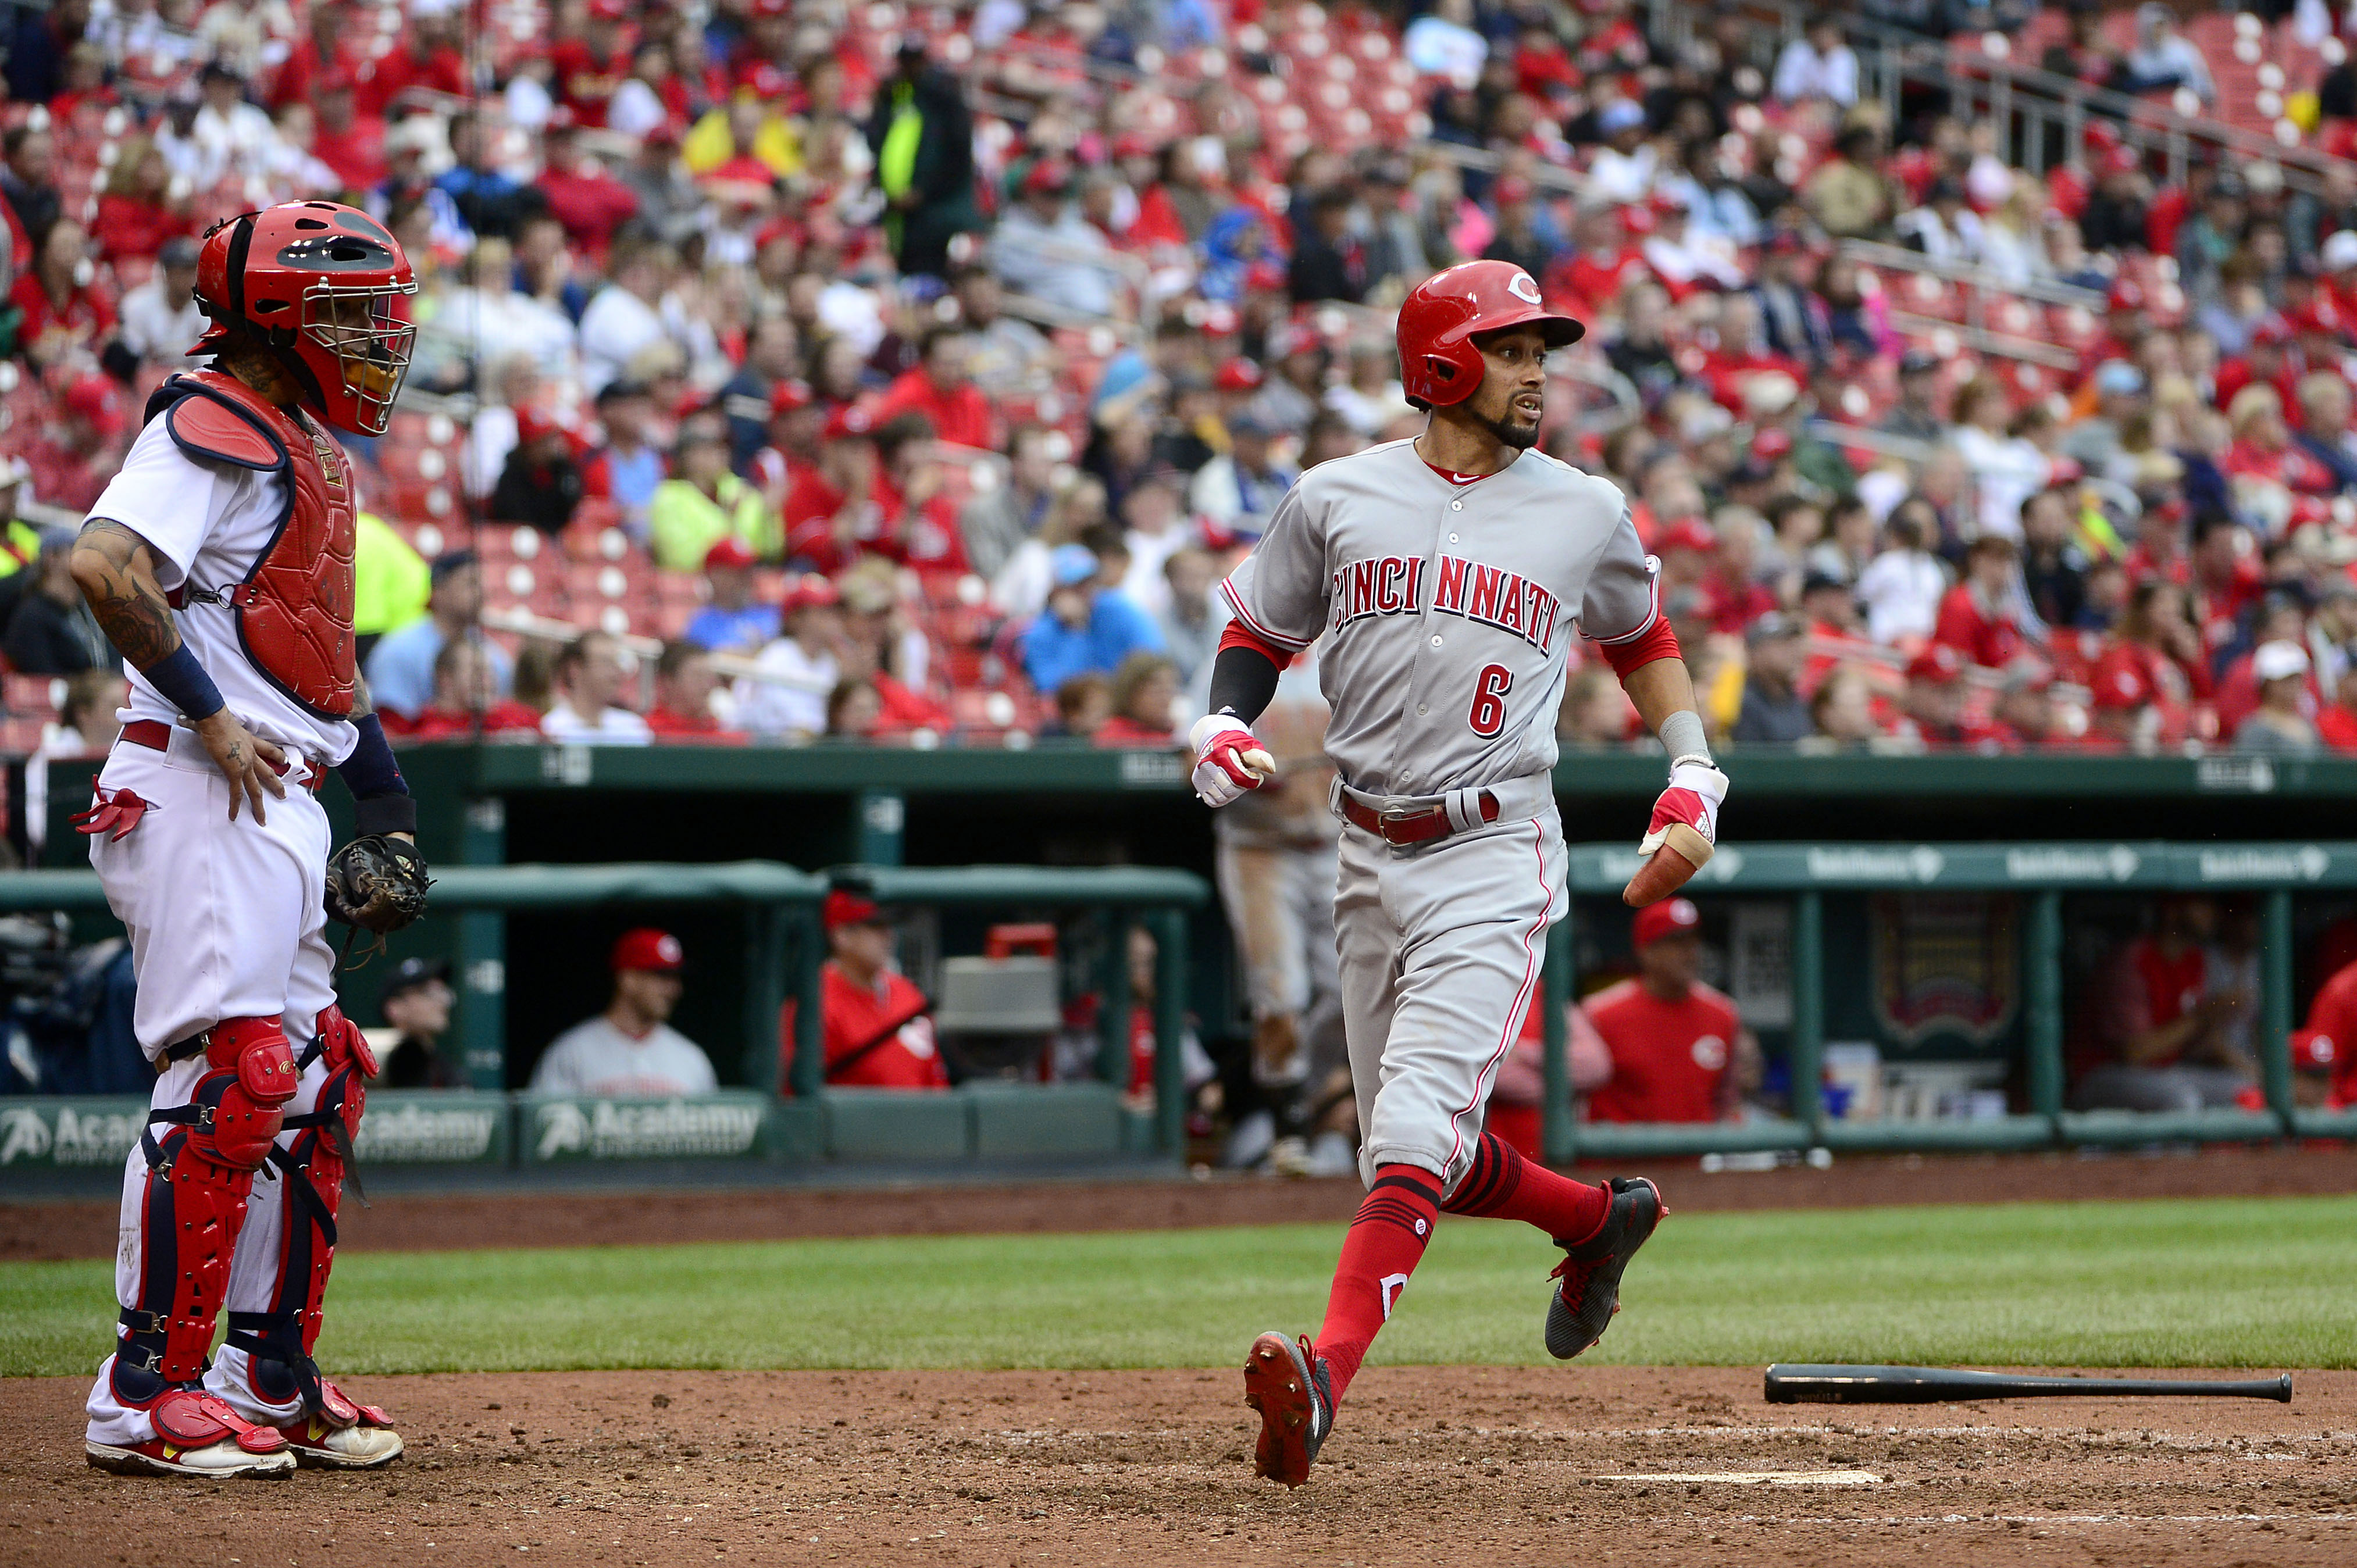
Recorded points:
(1447,576)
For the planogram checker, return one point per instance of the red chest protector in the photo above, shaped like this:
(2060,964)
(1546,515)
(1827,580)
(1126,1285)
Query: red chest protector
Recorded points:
(295,608)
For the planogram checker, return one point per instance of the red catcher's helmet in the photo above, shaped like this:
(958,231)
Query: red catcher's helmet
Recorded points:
(317,282)
(1437,321)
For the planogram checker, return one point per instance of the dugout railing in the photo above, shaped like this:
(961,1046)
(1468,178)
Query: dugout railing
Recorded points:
(2040,876)
(783,1110)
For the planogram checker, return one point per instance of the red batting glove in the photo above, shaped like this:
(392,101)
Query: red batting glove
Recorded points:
(1229,759)
(1684,833)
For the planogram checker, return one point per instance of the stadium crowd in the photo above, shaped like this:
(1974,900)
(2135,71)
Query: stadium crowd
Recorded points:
(790,369)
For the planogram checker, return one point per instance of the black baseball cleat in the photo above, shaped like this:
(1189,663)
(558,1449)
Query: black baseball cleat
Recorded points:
(1289,1383)
(1581,1307)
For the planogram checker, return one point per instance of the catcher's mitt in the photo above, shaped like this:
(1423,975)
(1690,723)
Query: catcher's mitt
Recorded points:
(377,883)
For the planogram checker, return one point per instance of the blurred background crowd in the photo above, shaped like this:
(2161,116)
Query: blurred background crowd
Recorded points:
(796,369)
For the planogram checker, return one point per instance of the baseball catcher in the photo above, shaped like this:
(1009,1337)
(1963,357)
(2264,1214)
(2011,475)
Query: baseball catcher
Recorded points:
(220,562)
(1448,575)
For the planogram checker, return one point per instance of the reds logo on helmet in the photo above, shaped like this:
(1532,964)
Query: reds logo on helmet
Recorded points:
(1439,362)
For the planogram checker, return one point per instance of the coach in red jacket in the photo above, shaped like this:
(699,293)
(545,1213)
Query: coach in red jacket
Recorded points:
(1679,1052)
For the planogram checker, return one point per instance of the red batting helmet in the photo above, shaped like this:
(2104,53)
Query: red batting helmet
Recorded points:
(1441,316)
(316,282)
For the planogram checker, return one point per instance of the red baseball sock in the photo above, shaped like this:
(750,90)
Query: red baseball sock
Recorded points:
(1385,1242)
(1501,1185)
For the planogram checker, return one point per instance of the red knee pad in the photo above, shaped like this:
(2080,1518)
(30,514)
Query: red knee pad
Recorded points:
(253,1104)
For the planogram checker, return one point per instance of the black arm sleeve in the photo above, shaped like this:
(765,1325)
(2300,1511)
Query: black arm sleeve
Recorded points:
(1244,683)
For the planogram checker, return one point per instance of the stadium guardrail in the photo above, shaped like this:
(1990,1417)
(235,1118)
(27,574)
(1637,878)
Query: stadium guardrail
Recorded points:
(2042,874)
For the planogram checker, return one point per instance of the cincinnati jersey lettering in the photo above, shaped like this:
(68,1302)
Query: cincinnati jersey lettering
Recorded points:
(1386,585)
(1394,585)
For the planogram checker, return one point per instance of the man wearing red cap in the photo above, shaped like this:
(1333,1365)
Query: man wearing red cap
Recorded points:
(1679,1052)
(630,1049)
(800,669)
(876,1027)
(1977,617)
(731,620)
(74,457)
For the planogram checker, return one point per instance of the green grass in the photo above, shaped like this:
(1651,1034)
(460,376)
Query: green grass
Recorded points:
(2224,1282)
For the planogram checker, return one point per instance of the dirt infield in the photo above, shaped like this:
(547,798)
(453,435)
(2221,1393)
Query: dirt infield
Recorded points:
(42,1231)
(1428,1467)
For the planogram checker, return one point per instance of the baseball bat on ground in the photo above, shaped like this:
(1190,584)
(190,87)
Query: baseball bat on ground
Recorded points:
(1795,1384)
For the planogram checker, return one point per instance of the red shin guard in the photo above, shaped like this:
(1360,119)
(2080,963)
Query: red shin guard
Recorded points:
(1501,1185)
(1384,1244)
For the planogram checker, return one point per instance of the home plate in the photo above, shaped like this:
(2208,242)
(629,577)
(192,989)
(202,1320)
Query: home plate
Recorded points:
(1766,1478)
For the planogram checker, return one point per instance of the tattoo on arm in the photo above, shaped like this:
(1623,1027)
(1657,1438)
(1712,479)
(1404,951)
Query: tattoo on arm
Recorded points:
(116,572)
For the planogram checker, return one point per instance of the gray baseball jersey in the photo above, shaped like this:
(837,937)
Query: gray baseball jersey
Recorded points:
(1447,610)
(1448,607)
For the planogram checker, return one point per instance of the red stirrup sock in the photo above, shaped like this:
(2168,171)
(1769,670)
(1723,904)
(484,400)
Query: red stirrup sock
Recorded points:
(1385,1242)
(1501,1185)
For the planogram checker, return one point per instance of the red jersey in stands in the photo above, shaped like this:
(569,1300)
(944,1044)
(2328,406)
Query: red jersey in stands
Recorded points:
(2334,1015)
(2291,466)
(590,203)
(1727,374)
(444,69)
(2338,726)
(85,316)
(903,710)
(356,152)
(961,417)
(1669,1058)
(668,725)
(585,80)
(126,226)
(892,1010)
(925,535)
(299,79)
(1982,632)
(1588,284)
(504,717)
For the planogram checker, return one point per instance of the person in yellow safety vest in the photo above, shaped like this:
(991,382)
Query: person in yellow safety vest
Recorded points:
(20,542)
(706,503)
(392,581)
(922,137)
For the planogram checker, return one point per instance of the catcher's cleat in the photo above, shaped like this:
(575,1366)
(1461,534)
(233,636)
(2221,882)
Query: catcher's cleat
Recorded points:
(1289,1383)
(1581,1307)
(197,1433)
(341,1434)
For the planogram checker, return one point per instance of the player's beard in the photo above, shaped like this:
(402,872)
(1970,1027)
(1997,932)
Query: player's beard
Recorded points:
(1520,437)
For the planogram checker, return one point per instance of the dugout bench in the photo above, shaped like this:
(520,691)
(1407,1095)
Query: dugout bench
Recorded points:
(2041,875)
(776,908)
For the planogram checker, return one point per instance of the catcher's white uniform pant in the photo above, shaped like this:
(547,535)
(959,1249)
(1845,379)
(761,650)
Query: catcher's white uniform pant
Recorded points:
(226,921)
(1441,948)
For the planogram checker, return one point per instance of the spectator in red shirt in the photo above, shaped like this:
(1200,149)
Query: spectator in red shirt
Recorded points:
(2146,683)
(589,202)
(2163,1030)
(1977,618)
(684,688)
(876,1030)
(75,455)
(467,703)
(1679,1052)
(324,53)
(62,313)
(430,61)
(1144,689)
(941,390)
(919,521)
(2336,726)
(2227,575)
(829,517)
(137,214)
(590,67)
(346,140)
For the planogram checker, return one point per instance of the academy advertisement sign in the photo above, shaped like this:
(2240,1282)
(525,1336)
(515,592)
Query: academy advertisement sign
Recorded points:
(411,1129)
(718,1127)
(68,1134)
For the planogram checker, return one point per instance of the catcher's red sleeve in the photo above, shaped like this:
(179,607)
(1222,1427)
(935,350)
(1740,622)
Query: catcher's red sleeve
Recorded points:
(1239,635)
(1656,642)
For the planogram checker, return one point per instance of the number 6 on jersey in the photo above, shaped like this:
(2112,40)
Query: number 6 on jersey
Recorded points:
(1488,714)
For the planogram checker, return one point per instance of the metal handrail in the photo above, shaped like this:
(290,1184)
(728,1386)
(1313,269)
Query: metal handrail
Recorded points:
(1897,258)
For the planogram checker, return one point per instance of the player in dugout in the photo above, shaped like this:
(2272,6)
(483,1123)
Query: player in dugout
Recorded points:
(1678,1051)
(630,1049)
(877,1026)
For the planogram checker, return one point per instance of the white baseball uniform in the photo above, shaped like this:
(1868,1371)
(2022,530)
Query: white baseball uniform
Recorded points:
(1448,608)
(225,918)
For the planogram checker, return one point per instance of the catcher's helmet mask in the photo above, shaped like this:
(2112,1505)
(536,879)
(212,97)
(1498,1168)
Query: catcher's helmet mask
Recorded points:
(338,271)
(1444,317)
